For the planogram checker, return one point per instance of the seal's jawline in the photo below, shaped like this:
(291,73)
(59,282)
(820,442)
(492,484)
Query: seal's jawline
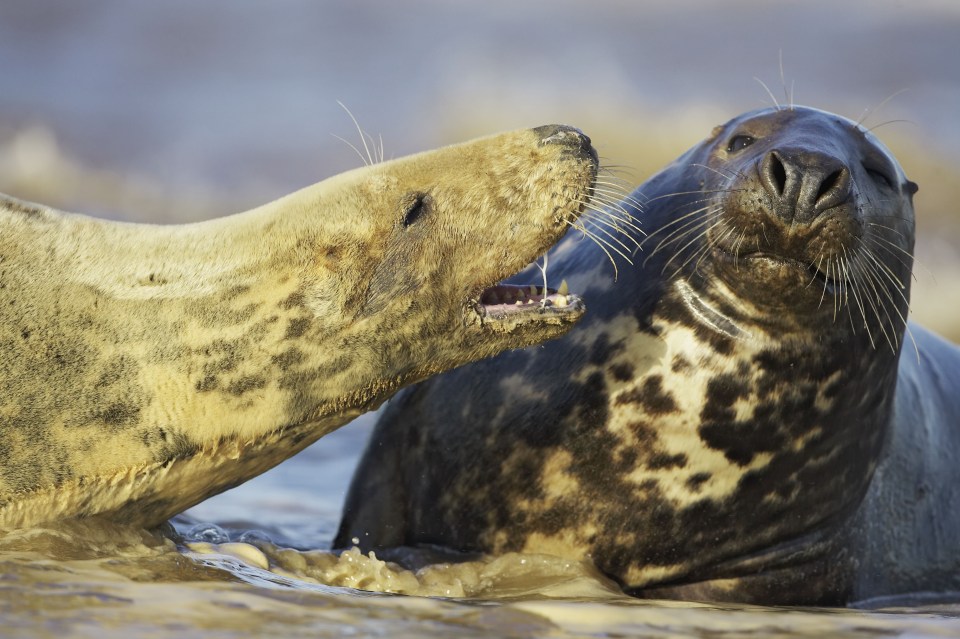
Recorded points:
(828,280)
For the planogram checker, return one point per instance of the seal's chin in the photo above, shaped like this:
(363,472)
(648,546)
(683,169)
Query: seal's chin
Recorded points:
(782,269)
(508,306)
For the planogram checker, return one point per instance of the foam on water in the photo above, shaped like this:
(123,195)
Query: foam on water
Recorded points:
(99,579)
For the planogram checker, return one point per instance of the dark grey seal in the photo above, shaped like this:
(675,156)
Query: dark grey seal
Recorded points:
(734,420)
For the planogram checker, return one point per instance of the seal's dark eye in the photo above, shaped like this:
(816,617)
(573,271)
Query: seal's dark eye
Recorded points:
(739,142)
(417,207)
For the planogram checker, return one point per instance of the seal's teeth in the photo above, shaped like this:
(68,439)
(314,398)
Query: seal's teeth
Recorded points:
(533,290)
(559,300)
(518,303)
(563,290)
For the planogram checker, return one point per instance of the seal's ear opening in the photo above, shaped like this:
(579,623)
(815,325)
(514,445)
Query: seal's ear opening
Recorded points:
(911,187)
(414,206)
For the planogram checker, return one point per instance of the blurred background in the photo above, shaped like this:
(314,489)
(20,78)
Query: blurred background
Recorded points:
(182,110)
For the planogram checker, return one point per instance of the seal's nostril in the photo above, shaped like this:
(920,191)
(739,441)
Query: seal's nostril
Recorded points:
(829,183)
(569,138)
(774,174)
(778,173)
(562,134)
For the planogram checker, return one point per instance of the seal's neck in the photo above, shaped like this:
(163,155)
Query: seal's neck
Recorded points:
(175,347)
(779,430)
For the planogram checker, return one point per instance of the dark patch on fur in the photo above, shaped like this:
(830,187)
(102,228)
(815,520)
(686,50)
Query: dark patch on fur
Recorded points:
(293,301)
(20,208)
(171,445)
(246,384)
(603,350)
(622,372)
(660,461)
(696,481)
(120,414)
(651,395)
(207,383)
(297,327)
(237,291)
(680,364)
(288,358)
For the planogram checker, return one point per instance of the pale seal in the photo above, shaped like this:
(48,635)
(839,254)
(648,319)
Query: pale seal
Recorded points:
(145,368)
(734,420)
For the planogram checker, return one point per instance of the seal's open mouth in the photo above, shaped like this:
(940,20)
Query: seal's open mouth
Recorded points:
(512,304)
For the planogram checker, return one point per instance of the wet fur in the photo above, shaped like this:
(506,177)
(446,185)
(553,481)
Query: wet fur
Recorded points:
(722,426)
(145,368)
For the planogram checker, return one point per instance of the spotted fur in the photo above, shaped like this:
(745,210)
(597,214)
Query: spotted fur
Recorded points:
(733,419)
(145,368)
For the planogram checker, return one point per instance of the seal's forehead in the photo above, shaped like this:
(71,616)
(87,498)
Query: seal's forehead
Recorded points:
(799,117)
(799,123)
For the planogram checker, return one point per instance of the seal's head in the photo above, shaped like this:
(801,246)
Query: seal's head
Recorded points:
(176,361)
(791,215)
(428,269)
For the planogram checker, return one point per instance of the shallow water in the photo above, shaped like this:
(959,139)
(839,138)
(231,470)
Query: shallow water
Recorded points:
(105,580)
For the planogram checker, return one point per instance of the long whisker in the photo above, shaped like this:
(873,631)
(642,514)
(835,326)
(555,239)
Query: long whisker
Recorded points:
(680,233)
(604,246)
(598,225)
(769,92)
(872,241)
(679,220)
(868,111)
(355,149)
(697,192)
(857,278)
(729,175)
(870,276)
(613,220)
(695,239)
(363,136)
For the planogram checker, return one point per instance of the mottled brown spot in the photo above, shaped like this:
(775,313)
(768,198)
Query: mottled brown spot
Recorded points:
(288,358)
(13,206)
(656,400)
(294,300)
(208,383)
(297,327)
(603,349)
(120,414)
(696,481)
(651,396)
(645,434)
(622,372)
(680,364)
(237,291)
(245,384)
(661,460)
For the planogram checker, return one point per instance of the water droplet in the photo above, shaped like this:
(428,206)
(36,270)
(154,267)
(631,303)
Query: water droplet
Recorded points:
(254,537)
(210,533)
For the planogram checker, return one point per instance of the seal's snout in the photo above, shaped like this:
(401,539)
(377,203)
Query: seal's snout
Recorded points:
(802,184)
(568,136)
